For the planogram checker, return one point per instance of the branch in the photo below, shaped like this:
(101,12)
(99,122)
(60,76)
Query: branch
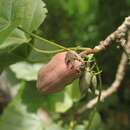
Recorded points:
(115,85)
(118,36)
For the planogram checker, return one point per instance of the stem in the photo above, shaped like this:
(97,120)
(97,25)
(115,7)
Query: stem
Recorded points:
(100,85)
(62,48)
(43,39)
(91,119)
(99,96)
(78,48)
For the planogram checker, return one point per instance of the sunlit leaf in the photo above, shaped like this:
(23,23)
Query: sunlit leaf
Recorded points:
(74,90)
(26,71)
(58,102)
(28,14)
(37,56)
(15,39)
(96,122)
(12,15)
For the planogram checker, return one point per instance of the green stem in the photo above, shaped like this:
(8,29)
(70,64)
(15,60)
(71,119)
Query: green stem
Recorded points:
(62,48)
(78,48)
(99,96)
(91,119)
(43,39)
(100,85)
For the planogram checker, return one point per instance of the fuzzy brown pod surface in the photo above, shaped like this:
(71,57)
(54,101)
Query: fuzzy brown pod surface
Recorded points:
(59,72)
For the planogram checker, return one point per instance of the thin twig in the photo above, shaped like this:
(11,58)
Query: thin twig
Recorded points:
(118,36)
(43,39)
(115,85)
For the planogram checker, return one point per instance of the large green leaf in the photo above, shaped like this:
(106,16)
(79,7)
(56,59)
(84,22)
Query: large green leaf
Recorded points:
(34,14)
(21,113)
(28,14)
(13,49)
(74,90)
(36,56)
(59,102)
(7,57)
(15,39)
(26,71)
(11,14)
(95,121)
(16,117)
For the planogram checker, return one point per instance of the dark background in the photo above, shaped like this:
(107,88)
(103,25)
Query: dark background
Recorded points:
(85,23)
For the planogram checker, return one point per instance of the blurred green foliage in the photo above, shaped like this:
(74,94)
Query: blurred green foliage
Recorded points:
(70,23)
(85,23)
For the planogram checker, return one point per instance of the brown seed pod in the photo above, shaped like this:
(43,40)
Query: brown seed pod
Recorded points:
(57,74)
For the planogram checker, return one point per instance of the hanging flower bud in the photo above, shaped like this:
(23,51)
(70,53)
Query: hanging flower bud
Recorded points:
(88,82)
(58,73)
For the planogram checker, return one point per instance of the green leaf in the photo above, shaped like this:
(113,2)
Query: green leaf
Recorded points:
(41,57)
(11,14)
(17,117)
(58,102)
(15,39)
(34,14)
(74,90)
(28,14)
(14,56)
(26,71)
(95,121)
(21,114)
(14,48)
